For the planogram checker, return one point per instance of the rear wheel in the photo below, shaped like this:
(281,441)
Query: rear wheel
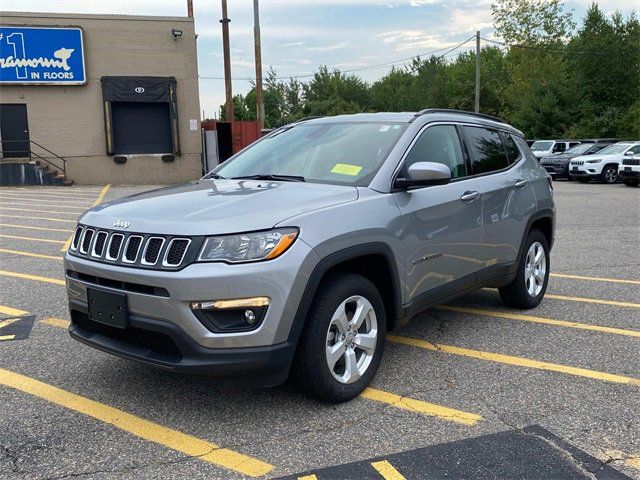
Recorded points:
(342,342)
(528,288)
(609,174)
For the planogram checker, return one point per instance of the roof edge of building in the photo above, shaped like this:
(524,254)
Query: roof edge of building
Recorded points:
(93,16)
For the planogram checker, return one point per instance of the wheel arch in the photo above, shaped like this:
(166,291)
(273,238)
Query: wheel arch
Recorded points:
(374,261)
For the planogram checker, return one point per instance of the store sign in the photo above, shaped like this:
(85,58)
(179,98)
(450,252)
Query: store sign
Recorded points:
(41,55)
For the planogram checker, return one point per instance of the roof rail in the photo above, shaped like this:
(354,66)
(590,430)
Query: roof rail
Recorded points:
(450,110)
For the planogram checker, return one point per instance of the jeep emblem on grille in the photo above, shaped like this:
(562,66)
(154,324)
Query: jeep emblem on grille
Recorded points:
(120,224)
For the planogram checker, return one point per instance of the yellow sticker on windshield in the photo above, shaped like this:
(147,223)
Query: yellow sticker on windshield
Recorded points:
(346,169)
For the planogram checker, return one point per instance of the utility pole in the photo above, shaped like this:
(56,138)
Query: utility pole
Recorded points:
(258,54)
(228,106)
(477,103)
(190,8)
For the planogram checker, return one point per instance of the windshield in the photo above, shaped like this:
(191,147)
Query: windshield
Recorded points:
(578,149)
(336,153)
(540,145)
(614,149)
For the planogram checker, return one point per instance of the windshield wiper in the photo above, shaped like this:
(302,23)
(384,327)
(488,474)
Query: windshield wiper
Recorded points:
(265,176)
(213,175)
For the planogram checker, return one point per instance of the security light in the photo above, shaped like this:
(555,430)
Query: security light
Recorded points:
(176,33)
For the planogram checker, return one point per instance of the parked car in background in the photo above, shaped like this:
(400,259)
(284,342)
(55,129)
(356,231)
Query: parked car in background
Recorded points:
(603,165)
(557,164)
(542,148)
(629,170)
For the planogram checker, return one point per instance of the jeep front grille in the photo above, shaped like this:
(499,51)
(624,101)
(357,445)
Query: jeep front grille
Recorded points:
(577,162)
(631,161)
(159,252)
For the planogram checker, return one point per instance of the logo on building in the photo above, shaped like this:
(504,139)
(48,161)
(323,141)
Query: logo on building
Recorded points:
(139,89)
(39,55)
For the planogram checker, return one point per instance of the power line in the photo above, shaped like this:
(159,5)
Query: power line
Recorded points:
(448,49)
(591,53)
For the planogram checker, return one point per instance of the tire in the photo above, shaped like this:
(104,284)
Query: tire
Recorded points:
(609,174)
(632,183)
(519,293)
(345,293)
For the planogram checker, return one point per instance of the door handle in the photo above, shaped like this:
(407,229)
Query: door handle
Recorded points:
(469,196)
(520,183)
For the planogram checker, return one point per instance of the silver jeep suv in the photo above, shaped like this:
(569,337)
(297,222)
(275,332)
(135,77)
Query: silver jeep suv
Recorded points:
(299,253)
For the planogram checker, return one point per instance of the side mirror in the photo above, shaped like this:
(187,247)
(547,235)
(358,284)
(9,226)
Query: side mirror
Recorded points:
(422,174)
(629,153)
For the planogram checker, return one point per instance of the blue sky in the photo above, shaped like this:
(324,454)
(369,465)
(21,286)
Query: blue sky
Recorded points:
(300,35)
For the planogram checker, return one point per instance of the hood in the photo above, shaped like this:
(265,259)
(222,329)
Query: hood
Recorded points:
(599,157)
(210,207)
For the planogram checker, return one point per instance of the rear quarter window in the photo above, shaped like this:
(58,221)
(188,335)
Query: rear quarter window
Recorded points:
(513,154)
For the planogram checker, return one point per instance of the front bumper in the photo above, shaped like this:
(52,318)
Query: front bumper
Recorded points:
(557,170)
(585,171)
(168,347)
(163,331)
(632,174)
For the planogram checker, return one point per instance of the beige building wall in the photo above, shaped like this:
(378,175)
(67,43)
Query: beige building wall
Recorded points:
(69,120)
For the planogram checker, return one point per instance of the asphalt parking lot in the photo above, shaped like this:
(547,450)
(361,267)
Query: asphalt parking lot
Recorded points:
(468,390)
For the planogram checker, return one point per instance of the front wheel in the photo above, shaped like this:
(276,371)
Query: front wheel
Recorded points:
(610,174)
(342,342)
(528,288)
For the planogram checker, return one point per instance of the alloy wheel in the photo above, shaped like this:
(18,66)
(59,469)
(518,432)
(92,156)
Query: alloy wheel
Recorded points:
(611,175)
(535,269)
(351,339)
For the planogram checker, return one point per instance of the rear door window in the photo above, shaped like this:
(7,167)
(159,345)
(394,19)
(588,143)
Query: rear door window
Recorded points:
(486,150)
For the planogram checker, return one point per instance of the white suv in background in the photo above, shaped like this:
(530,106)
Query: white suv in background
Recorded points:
(604,164)
(542,148)
(629,171)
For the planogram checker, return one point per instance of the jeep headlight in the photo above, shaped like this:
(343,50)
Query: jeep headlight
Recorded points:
(247,247)
(597,160)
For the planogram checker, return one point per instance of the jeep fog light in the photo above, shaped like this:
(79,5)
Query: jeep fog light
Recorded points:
(236,315)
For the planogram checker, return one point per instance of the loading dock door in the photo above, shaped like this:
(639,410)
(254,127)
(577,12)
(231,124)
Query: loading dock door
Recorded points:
(141,115)
(14,130)
(140,128)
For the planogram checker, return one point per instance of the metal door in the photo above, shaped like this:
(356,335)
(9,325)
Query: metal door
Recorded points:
(14,130)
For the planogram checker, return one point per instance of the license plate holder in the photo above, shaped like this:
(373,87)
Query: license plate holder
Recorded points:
(575,169)
(627,169)
(108,307)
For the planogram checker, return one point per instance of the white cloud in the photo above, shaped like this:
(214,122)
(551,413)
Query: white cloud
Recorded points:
(326,48)
(470,20)
(412,39)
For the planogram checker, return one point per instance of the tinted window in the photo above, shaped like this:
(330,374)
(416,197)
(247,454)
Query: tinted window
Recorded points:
(439,144)
(486,150)
(513,154)
(559,147)
(596,148)
(635,149)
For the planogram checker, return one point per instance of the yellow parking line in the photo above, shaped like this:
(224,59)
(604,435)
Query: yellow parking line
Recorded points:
(633,462)
(52,193)
(418,406)
(387,471)
(29,254)
(2,207)
(28,276)
(56,322)
(308,477)
(141,428)
(511,360)
(541,320)
(33,239)
(43,201)
(7,337)
(103,192)
(595,279)
(9,321)
(593,300)
(29,227)
(11,311)
(38,218)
